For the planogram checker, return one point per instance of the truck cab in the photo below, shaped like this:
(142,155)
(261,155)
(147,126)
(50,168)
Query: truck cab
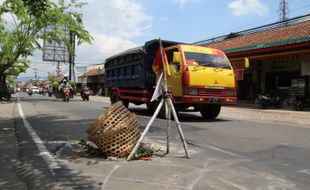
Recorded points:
(201,77)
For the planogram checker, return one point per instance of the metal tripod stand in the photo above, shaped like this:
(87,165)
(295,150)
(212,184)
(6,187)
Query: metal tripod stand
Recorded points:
(165,100)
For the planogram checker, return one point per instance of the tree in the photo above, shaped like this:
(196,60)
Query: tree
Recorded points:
(20,37)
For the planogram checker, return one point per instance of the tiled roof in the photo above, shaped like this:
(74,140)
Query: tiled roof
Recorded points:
(93,72)
(280,36)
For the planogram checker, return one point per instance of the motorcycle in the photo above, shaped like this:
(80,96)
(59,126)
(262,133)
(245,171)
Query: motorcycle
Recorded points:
(66,95)
(50,91)
(30,92)
(6,94)
(301,102)
(269,100)
(85,95)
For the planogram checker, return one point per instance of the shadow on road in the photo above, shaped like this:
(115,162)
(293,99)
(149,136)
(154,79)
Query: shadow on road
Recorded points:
(29,165)
(183,116)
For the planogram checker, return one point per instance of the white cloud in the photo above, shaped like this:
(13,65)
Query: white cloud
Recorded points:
(114,25)
(103,46)
(123,18)
(182,3)
(245,7)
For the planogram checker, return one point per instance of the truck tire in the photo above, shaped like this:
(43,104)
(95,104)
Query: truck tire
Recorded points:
(210,111)
(151,107)
(114,97)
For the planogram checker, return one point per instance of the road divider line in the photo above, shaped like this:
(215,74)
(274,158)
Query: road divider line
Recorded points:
(232,184)
(196,180)
(105,181)
(49,159)
(224,151)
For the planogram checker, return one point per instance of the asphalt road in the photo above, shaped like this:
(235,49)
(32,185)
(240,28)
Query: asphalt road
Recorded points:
(227,153)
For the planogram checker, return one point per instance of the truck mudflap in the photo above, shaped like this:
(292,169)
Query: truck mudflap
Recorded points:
(208,100)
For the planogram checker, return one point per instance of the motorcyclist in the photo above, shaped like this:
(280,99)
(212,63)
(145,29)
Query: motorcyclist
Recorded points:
(30,90)
(65,85)
(84,89)
(85,93)
(49,90)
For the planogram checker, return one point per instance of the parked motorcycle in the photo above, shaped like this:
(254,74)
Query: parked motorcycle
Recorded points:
(301,102)
(85,94)
(66,95)
(6,95)
(269,100)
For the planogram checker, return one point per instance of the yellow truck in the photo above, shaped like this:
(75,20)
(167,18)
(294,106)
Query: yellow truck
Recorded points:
(202,79)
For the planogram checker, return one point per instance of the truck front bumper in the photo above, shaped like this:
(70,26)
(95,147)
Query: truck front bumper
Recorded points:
(208,100)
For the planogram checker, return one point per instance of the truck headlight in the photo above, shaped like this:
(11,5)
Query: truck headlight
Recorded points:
(192,91)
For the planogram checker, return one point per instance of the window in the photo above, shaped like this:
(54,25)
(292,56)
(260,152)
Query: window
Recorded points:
(174,66)
(208,60)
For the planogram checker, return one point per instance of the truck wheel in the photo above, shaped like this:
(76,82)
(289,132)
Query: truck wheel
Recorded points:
(151,107)
(114,97)
(162,112)
(210,111)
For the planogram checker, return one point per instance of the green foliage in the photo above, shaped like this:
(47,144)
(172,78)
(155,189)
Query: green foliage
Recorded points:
(52,77)
(20,38)
(37,7)
(18,67)
(11,80)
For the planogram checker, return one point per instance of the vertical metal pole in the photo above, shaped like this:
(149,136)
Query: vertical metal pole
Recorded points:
(165,88)
(134,150)
(164,66)
(168,126)
(175,116)
(70,66)
(71,54)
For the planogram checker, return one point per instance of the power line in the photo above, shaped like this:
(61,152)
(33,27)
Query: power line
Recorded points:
(258,21)
(35,73)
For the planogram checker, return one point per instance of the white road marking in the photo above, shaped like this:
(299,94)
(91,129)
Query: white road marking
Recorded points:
(49,159)
(305,171)
(192,185)
(224,151)
(232,184)
(108,176)
(59,151)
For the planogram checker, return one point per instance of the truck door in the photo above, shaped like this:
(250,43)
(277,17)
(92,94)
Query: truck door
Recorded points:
(175,80)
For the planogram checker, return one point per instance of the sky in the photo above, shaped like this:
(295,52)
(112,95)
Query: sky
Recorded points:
(117,25)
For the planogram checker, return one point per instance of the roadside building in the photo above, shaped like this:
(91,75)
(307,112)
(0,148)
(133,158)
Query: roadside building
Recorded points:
(279,55)
(94,79)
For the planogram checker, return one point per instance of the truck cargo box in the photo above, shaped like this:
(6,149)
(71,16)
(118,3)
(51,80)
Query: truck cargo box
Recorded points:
(133,68)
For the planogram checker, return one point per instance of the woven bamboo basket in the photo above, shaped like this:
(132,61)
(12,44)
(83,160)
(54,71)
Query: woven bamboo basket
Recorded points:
(115,131)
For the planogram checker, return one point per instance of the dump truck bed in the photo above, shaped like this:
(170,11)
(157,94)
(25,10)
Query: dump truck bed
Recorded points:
(133,68)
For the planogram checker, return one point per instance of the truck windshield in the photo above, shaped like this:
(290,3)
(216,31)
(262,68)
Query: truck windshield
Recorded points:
(208,60)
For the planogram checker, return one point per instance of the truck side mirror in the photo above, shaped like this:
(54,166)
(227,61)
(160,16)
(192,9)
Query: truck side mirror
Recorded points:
(176,57)
(246,63)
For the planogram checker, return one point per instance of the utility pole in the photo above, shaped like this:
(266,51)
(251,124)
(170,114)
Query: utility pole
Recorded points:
(283,10)
(35,73)
(58,68)
(71,57)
